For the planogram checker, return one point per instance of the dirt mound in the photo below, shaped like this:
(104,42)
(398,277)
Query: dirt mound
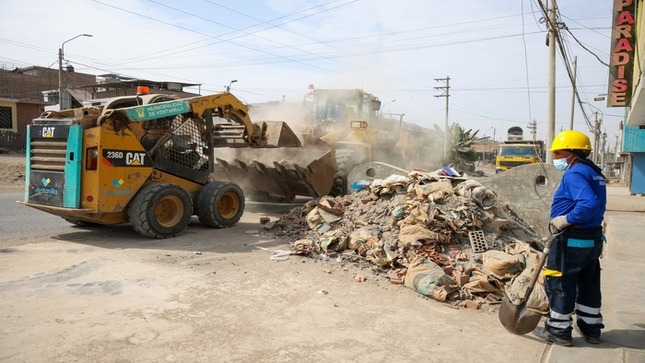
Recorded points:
(12,172)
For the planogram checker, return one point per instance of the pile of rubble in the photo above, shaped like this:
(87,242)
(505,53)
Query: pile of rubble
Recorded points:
(448,238)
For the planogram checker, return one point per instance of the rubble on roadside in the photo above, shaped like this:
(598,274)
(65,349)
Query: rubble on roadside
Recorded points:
(448,238)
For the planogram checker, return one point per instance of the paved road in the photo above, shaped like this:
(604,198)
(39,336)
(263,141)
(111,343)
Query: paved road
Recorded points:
(108,294)
(20,222)
(208,295)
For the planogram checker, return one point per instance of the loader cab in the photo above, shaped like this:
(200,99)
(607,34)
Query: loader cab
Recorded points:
(340,106)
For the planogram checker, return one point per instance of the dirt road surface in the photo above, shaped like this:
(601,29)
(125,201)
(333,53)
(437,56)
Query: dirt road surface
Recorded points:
(107,294)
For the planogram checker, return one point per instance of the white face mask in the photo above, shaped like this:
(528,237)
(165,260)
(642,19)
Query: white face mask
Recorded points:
(561,164)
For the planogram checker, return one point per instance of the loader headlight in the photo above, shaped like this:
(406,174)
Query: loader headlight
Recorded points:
(358,124)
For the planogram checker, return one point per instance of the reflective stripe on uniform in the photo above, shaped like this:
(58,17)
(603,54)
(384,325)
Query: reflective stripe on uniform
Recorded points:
(558,324)
(587,309)
(590,321)
(556,315)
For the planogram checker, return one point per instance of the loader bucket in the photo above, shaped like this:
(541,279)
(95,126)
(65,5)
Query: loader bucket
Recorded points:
(279,134)
(282,170)
(278,173)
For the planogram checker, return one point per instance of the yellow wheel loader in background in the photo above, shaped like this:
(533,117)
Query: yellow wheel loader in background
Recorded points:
(153,161)
(366,144)
(351,122)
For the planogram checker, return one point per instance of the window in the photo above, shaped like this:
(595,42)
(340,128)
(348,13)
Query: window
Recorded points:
(517,151)
(6,121)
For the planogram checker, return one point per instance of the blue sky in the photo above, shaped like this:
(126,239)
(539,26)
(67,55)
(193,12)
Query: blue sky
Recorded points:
(493,51)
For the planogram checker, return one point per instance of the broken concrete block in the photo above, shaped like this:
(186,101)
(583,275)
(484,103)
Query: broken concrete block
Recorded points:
(462,279)
(471,305)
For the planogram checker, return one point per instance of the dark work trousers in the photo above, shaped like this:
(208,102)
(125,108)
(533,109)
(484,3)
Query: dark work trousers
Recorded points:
(572,282)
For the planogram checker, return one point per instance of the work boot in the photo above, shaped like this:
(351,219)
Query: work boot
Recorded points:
(591,339)
(544,334)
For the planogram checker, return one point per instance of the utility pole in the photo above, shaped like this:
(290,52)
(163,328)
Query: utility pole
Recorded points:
(596,131)
(551,96)
(61,55)
(60,78)
(603,150)
(398,134)
(446,94)
(573,96)
(533,127)
(616,148)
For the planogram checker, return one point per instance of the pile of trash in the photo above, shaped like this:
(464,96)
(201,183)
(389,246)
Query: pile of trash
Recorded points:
(448,238)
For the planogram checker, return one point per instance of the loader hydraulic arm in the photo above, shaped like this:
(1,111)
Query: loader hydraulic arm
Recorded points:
(224,105)
(229,107)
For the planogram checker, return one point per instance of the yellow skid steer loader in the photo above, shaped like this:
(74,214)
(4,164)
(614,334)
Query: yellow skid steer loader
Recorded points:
(151,161)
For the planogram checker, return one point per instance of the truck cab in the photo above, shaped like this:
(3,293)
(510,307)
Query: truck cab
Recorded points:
(517,153)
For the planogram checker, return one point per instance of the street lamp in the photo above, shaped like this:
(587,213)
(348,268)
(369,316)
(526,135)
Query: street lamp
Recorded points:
(228,88)
(61,53)
(380,113)
(488,129)
(387,103)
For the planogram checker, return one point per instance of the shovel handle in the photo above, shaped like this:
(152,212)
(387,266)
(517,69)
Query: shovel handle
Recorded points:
(538,268)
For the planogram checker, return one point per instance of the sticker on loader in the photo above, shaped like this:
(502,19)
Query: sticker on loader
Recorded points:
(125,158)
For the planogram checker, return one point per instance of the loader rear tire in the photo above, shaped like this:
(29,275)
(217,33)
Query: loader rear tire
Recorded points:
(160,210)
(220,204)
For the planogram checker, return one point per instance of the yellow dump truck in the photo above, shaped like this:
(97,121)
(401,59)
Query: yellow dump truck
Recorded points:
(518,152)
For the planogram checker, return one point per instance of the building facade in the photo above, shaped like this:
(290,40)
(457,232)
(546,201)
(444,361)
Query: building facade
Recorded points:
(626,83)
(25,93)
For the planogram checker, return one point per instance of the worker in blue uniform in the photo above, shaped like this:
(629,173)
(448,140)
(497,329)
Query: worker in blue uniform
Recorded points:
(572,271)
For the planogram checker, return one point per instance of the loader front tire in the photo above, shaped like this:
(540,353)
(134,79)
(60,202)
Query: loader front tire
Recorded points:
(339,188)
(160,210)
(220,204)
(344,160)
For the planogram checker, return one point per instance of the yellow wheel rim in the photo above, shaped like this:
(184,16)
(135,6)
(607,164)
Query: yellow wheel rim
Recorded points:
(169,211)
(228,205)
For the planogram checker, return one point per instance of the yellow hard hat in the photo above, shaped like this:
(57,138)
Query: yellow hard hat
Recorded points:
(571,140)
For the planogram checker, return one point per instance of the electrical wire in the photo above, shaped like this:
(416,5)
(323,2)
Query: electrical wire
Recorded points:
(303,59)
(336,51)
(585,48)
(563,53)
(245,33)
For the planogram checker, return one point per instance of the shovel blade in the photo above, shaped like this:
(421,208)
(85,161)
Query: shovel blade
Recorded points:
(517,319)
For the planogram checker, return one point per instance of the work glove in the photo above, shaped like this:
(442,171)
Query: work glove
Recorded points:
(558,224)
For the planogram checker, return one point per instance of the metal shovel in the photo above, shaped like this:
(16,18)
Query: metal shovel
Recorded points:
(517,319)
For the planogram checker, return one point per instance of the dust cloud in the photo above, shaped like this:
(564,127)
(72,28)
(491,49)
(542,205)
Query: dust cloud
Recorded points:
(297,115)
(393,141)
